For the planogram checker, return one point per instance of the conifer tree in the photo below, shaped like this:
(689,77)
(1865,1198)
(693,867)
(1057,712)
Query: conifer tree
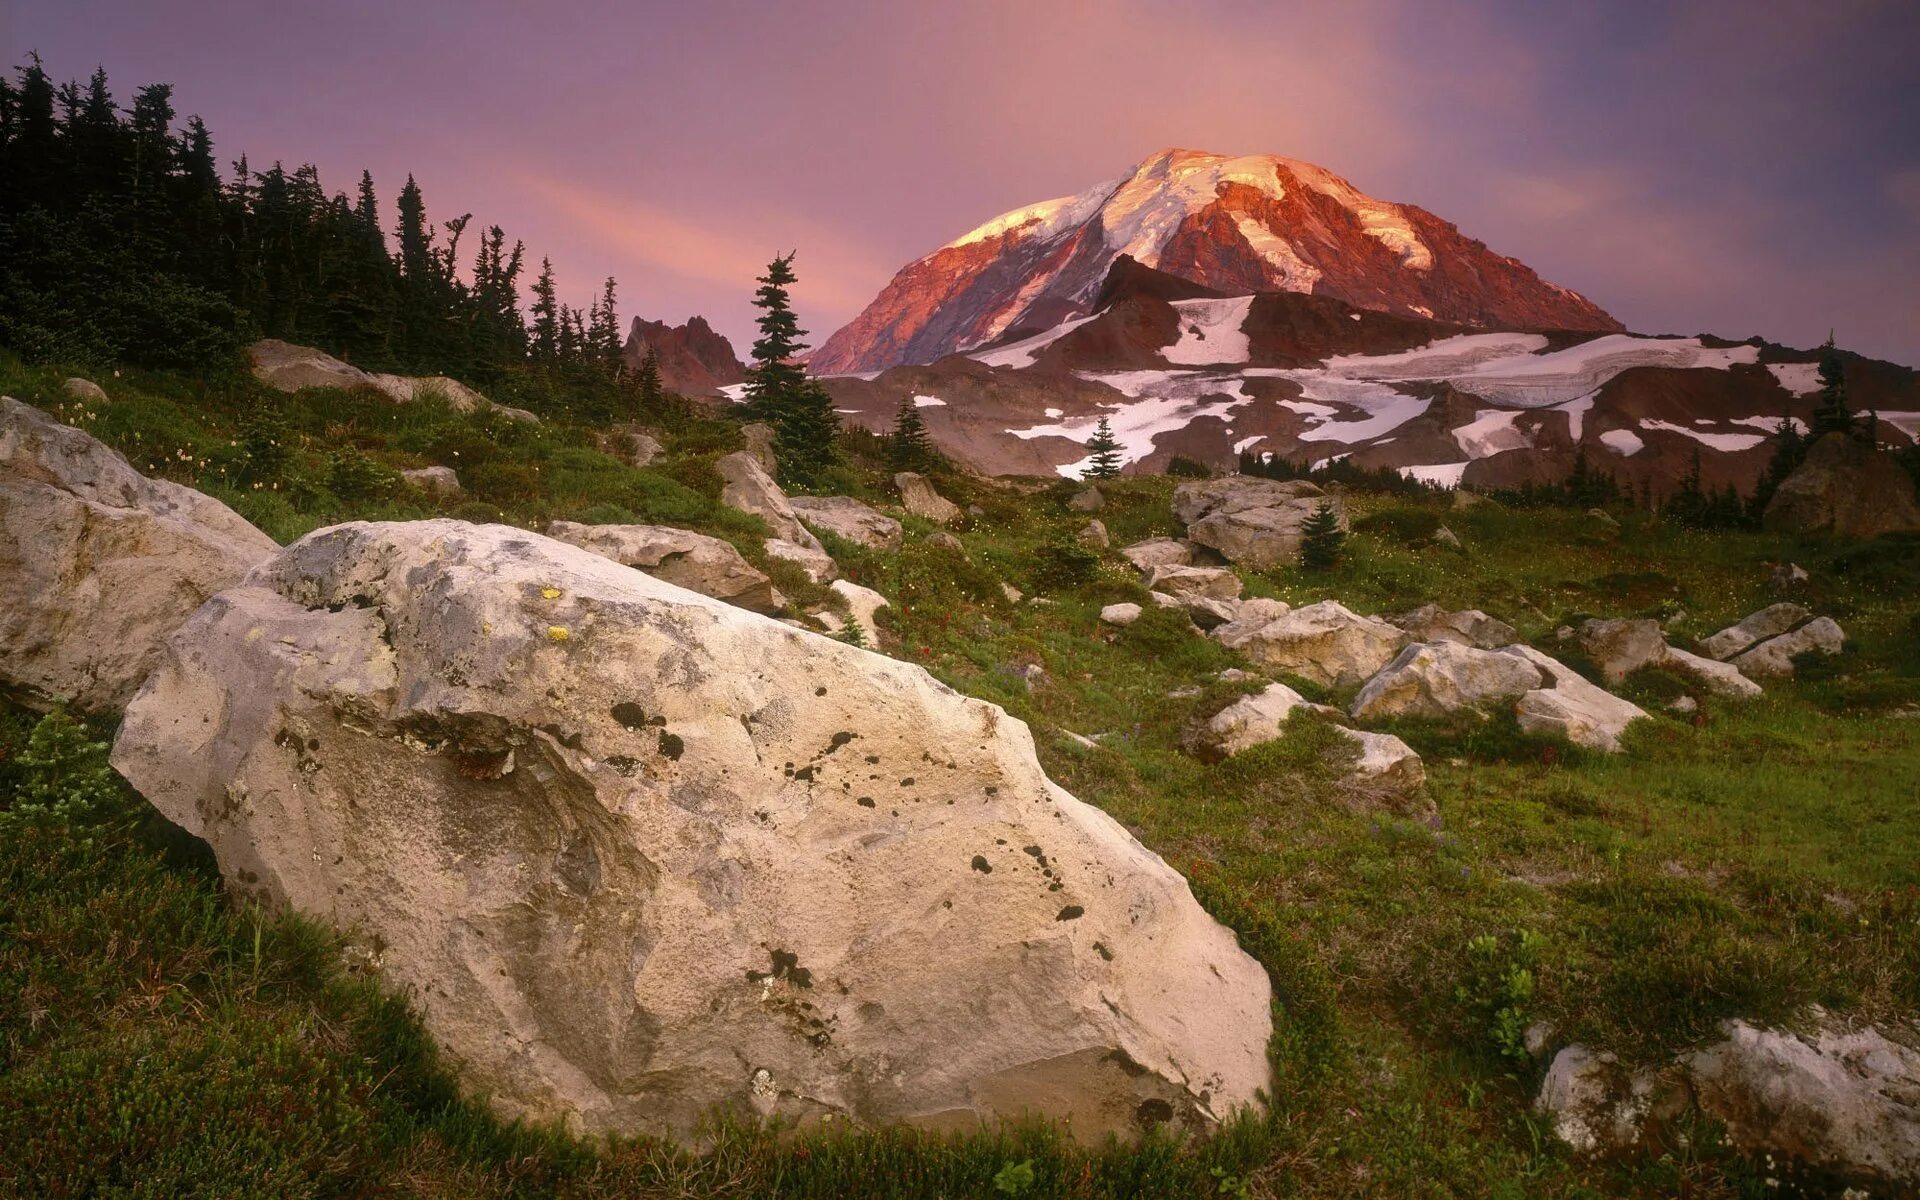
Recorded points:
(1104,453)
(778,390)
(911,447)
(649,380)
(544,338)
(604,331)
(1831,414)
(1322,541)
(1789,451)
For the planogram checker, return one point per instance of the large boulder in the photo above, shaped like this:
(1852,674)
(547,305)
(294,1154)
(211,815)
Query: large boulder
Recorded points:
(1469,627)
(681,557)
(98,563)
(1722,679)
(845,517)
(1258,522)
(636,854)
(286,367)
(1158,552)
(816,564)
(1571,707)
(1754,628)
(745,485)
(1774,657)
(1621,647)
(862,604)
(1438,679)
(1327,643)
(1844,487)
(1253,720)
(1215,583)
(919,498)
(758,439)
(1839,1100)
(634,446)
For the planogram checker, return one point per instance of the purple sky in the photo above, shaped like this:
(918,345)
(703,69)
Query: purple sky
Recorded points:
(1726,167)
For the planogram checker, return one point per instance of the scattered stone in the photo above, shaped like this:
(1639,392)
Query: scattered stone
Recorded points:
(1685,705)
(845,517)
(817,564)
(681,557)
(438,482)
(756,439)
(1464,500)
(1387,762)
(665,869)
(1722,679)
(1619,648)
(1120,614)
(1251,616)
(1088,501)
(1469,627)
(1013,594)
(1845,488)
(84,390)
(1216,583)
(862,602)
(1158,552)
(1080,739)
(1253,720)
(1594,1102)
(946,541)
(99,564)
(634,447)
(748,487)
(1447,537)
(1774,657)
(1571,707)
(1208,613)
(1327,643)
(1258,522)
(1438,679)
(1771,621)
(1603,520)
(1094,536)
(286,367)
(922,501)
(1787,579)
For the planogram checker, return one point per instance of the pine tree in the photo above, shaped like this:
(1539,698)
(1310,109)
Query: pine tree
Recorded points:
(603,331)
(544,343)
(1831,414)
(649,380)
(778,390)
(911,447)
(1789,451)
(1322,541)
(1103,451)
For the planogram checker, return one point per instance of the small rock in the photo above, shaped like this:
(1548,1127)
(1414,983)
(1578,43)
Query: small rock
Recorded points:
(1754,628)
(1684,705)
(1013,594)
(1464,500)
(1437,679)
(1774,657)
(943,540)
(1258,522)
(1088,501)
(1571,707)
(845,517)
(438,482)
(1327,643)
(1253,720)
(1120,614)
(1094,536)
(1722,679)
(634,447)
(1079,739)
(817,563)
(1620,648)
(1216,583)
(1789,579)
(922,501)
(1446,537)
(1604,520)
(1158,552)
(84,390)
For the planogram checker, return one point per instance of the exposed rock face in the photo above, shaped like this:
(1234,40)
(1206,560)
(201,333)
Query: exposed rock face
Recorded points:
(1216,583)
(615,841)
(1158,552)
(1253,720)
(1469,627)
(439,482)
(817,564)
(845,517)
(862,602)
(1325,642)
(1843,1100)
(1258,522)
(98,563)
(286,367)
(922,501)
(747,487)
(1845,487)
(1774,657)
(1572,708)
(1621,647)
(757,437)
(1437,679)
(1722,679)
(1229,225)
(1771,621)
(681,557)
(693,359)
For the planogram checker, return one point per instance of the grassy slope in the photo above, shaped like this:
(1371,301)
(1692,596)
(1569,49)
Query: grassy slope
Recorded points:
(156,1041)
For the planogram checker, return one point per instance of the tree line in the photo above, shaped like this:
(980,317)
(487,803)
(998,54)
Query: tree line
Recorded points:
(123,241)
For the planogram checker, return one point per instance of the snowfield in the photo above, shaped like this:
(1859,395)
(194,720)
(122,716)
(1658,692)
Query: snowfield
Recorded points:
(1624,442)
(1211,332)
(1732,443)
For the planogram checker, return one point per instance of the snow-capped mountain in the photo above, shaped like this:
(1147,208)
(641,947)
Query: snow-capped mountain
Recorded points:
(1241,225)
(1180,370)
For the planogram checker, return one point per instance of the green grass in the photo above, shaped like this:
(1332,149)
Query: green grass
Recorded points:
(155,1039)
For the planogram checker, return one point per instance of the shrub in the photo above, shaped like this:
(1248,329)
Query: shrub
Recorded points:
(1064,566)
(1404,524)
(353,475)
(1498,989)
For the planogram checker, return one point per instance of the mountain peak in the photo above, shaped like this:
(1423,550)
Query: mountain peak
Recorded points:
(1233,224)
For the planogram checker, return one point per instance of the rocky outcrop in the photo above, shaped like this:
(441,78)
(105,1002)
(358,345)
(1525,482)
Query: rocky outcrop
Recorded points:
(693,359)
(1469,627)
(1773,658)
(816,564)
(98,563)
(1257,522)
(746,486)
(681,557)
(1569,706)
(1439,679)
(862,604)
(845,517)
(1253,720)
(1771,621)
(634,446)
(919,498)
(1621,647)
(1721,679)
(441,483)
(1326,643)
(1847,488)
(635,854)
(1215,583)
(286,367)
(1158,552)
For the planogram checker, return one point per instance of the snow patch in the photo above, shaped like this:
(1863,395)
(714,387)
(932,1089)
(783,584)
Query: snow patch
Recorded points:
(1296,273)
(1443,474)
(1545,380)
(1906,422)
(1386,409)
(736,392)
(1052,216)
(1490,432)
(1162,402)
(1772,424)
(1020,353)
(1211,331)
(1624,442)
(1801,379)
(1438,358)
(1576,410)
(929,402)
(1729,442)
